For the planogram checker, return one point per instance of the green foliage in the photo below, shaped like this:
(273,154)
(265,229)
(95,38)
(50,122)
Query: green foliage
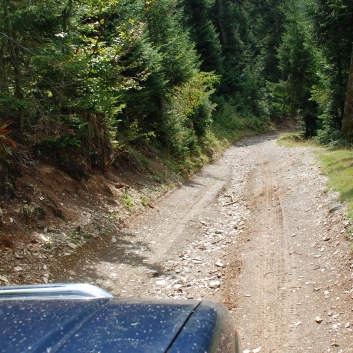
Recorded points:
(189,115)
(164,22)
(269,19)
(84,81)
(249,41)
(347,122)
(292,94)
(328,129)
(291,139)
(229,124)
(127,201)
(333,30)
(197,17)
(139,159)
(337,165)
(329,137)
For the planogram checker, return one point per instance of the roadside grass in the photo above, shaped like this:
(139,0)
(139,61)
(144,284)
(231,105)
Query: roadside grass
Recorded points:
(294,139)
(335,162)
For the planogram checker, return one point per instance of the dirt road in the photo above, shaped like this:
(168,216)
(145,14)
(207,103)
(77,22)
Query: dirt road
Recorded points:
(255,230)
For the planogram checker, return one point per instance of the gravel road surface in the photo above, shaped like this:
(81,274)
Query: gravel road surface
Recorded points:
(256,230)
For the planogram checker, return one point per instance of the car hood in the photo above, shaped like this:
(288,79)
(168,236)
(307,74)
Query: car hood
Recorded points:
(91,325)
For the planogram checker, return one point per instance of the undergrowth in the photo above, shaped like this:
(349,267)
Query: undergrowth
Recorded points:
(295,139)
(337,164)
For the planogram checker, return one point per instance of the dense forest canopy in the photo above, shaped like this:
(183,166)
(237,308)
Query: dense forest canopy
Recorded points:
(82,80)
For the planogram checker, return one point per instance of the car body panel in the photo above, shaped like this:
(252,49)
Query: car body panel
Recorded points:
(70,321)
(136,327)
(210,329)
(53,291)
(91,325)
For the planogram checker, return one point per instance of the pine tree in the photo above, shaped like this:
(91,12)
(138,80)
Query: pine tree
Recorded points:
(347,123)
(198,18)
(297,64)
(298,67)
(333,28)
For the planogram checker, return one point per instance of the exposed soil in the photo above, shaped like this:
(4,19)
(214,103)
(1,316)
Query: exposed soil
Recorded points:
(53,216)
(256,230)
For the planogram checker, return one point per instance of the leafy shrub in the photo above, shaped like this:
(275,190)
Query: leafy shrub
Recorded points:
(331,138)
(229,124)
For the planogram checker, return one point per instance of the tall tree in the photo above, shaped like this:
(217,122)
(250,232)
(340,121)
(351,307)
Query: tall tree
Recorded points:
(347,123)
(198,18)
(333,28)
(268,25)
(298,66)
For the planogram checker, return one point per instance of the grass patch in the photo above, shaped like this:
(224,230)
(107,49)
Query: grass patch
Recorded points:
(126,200)
(337,164)
(294,139)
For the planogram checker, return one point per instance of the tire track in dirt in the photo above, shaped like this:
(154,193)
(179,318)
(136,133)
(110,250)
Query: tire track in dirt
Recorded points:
(268,273)
(288,260)
(143,247)
(252,230)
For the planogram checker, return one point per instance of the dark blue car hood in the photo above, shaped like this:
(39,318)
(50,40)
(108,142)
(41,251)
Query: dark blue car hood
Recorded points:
(92,325)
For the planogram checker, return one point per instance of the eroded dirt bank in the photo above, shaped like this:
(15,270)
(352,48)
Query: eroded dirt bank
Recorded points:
(254,230)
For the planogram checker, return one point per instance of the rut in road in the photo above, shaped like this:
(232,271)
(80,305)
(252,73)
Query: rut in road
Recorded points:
(270,297)
(294,257)
(252,230)
(268,267)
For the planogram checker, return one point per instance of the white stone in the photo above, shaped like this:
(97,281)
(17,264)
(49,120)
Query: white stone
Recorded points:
(72,245)
(41,237)
(178,287)
(215,284)
(219,264)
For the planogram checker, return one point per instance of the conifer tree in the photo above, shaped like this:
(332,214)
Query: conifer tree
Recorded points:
(198,18)
(297,63)
(332,22)
(347,123)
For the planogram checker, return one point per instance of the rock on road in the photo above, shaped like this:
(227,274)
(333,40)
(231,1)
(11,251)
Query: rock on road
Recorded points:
(257,231)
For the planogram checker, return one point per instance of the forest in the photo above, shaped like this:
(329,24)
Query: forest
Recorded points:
(86,82)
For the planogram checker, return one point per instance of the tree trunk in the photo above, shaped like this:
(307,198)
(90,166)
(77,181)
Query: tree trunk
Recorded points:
(347,122)
(14,52)
(220,21)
